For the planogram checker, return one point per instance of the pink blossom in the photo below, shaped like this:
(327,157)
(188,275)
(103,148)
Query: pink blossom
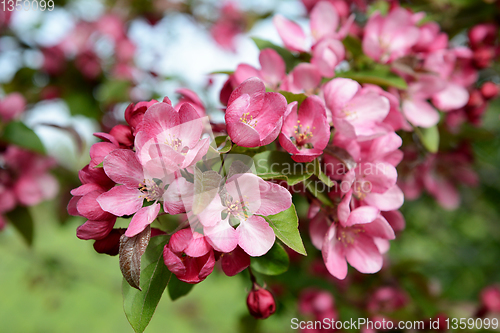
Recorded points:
(324,24)
(430,38)
(170,140)
(356,112)
(387,299)
(304,77)
(123,167)
(235,261)
(272,70)
(254,117)
(415,107)
(12,106)
(390,37)
(189,256)
(246,198)
(24,179)
(189,96)
(230,24)
(352,238)
(305,133)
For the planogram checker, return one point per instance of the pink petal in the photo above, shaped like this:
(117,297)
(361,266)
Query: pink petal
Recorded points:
(255,236)
(94,229)
(391,199)
(274,198)
(324,20)
(395,219)
(420,113)
(243,72)
(333,255)
(338,92)
(89,208)
(173,262)
(211,215)
(305,77)
(249,87)
(364,255)
(99,151)
(144,217)
(362,215)
(379,228)
(178,198)
(121,200)
(223,237)
(451,98)
(318,227)
(234,262)
(122,166)
(198,246)
(291,33)
(273,66)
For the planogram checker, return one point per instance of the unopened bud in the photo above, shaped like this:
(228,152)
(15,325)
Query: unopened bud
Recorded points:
(260,302)
(489,90)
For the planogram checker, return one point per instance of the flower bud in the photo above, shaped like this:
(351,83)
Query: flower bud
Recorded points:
(260,302)
(489,90)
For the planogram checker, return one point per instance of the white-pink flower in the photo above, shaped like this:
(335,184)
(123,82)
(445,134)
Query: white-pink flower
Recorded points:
(234,216)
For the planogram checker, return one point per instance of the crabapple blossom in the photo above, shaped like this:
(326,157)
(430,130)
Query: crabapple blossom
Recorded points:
(254,117)
(189,256)
(234,216)
(356,112)
(391,37)
(305,133)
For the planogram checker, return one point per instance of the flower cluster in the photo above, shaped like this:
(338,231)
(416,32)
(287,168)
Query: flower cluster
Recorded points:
(341,105)
(24,177)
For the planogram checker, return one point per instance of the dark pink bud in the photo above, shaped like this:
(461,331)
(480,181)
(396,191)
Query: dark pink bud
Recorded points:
(135,112)
(475,99)
(111,243)
(490,297)
(260,302)
(235,262)
(489,90)
(123,134)
(189,256)
(483,56)
(484,33)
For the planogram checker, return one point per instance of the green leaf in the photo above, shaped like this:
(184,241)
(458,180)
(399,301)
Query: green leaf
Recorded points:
(114,91)
(320,195)
(221,72)
(324,178)
(21,135)
(429,138)
(381,76)
(291,97)
(21,219)
(178,288)
(274,262)
(279,165)
(286,227)
(223,144)
(290,60)
(139,306)
(353,45)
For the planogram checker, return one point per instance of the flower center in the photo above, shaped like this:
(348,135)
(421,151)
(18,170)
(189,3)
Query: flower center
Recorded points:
(302,135)
(347,235)
(173,142)
(150,189)
(238,209)
(247,118)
